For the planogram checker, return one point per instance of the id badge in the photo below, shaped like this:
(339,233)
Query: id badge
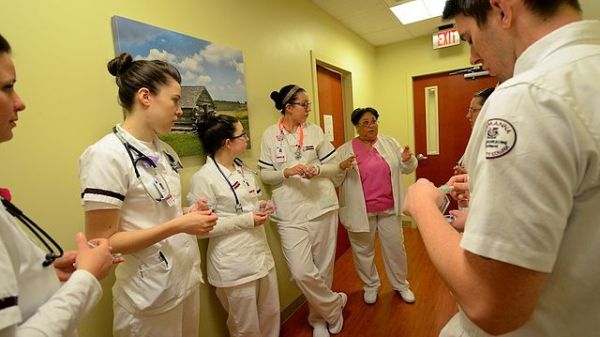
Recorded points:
(170,200)
(280,156)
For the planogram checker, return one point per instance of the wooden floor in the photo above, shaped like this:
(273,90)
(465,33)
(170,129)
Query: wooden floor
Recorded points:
(389,316)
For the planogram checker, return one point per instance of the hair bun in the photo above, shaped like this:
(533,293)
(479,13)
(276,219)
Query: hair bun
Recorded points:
(277,99)
(120,64)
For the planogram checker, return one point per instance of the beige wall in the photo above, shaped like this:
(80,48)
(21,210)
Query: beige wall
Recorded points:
(61,49)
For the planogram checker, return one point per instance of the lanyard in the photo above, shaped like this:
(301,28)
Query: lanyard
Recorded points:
(298,153)
(238,205)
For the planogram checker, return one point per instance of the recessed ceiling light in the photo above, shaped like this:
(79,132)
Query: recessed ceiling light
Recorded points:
(418,10)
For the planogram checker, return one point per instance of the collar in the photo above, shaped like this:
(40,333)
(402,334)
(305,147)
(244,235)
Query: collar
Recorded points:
(140,145)
(583,31)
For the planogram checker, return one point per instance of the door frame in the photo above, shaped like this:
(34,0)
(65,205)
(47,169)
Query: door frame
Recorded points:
(319,60)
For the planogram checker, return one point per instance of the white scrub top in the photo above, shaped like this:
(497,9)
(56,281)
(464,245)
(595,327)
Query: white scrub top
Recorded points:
(31,295)
(157,278)
(296,198)
(237,252)
(534,164)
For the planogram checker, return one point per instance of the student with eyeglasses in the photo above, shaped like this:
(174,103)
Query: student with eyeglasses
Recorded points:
(371,196)
(239,260)
(298,162)
(131,193)
(32,300)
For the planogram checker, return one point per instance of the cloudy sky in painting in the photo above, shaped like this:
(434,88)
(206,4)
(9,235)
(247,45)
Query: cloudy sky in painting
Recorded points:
(200,62)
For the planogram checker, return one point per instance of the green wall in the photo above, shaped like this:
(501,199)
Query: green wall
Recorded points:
(61,49)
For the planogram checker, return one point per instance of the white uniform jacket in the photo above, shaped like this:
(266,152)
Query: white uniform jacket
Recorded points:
(237,251)
(353,209)
(297,198)
(157,278)
(534,164)
(31,295)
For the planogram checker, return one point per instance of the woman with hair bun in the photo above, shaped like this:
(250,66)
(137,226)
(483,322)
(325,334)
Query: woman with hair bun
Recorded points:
(239,260)
(298,161)
(131,193)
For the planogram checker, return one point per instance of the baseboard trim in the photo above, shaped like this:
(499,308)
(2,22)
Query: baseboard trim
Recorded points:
(292,308)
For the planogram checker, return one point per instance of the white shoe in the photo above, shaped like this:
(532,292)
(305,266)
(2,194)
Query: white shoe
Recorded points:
(407,295)
(337,326)
(370,296)
(320,330)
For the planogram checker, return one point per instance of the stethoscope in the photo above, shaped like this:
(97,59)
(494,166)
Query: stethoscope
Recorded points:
(37,230)
(238,205)
(159,184)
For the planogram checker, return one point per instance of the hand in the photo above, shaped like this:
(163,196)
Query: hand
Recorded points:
(460,218)
(65,265)
(459,170)
(461,189)
(421,193)
(406,153)
(259,218)
(200,205)
(266,207)
(98,260)
(298,170)
(348,163)
(311,172)
(199,222)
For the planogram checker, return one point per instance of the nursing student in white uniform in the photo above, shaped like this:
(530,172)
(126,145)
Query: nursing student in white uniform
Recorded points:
(298,161)
(239,260)
(32,301)
(131,190)
(527,262)
(371,196)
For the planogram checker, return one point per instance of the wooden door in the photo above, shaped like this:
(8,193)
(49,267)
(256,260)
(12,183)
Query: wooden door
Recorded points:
(331,108)
(454,94)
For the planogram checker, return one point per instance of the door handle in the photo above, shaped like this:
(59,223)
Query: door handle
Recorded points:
(421,157)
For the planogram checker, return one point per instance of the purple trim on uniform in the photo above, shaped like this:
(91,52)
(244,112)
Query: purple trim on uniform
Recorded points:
(103,192)
(8,302)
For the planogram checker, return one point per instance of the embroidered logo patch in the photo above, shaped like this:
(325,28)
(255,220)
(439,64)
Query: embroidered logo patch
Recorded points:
(501,138)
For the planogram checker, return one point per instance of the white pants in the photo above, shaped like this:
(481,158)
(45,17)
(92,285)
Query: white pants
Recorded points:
(181,321)
(253,307)
(394,254)
(309,250)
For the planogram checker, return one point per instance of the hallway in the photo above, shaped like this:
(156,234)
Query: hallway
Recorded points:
(389,316)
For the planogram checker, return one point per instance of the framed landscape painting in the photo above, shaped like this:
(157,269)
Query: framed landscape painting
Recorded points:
(212,75)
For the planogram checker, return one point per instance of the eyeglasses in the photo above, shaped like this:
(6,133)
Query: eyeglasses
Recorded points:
(37,231)
(305,105)
(366,124)
(242,135)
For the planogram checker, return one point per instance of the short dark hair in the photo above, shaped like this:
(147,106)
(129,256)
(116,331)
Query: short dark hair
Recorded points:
(213,130)
(359,112)
(4,45)
(479,9)
(285,95)
(484,94)
(132,75)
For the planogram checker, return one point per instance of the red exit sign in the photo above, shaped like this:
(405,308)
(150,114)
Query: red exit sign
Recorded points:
(446,38)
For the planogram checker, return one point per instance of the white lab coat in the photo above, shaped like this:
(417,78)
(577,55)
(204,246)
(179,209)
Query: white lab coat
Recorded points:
(353,209)
(534,176)
(44,307)
(239,260)
(146,283)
